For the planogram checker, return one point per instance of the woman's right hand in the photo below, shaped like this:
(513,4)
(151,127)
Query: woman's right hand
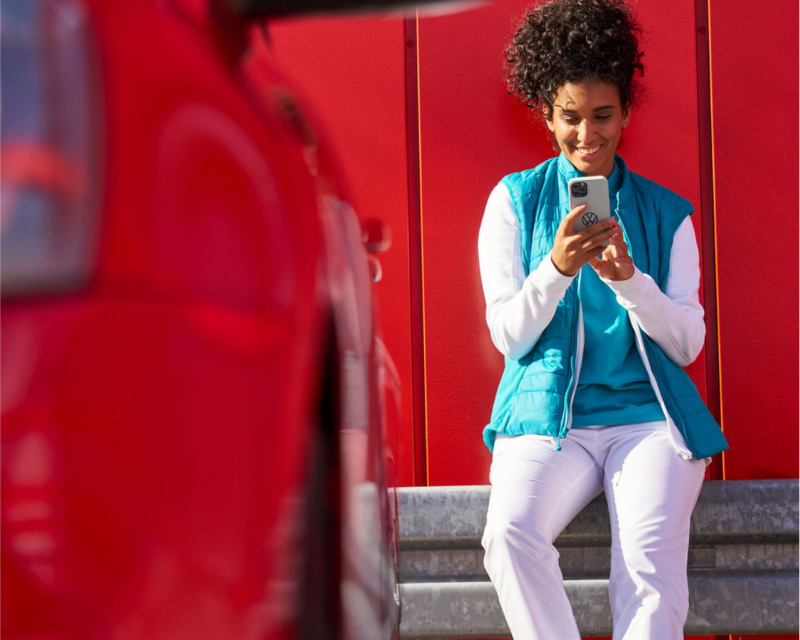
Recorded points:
(573,249)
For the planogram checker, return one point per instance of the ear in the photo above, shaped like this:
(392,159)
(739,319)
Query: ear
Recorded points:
(548,118)
(626,116)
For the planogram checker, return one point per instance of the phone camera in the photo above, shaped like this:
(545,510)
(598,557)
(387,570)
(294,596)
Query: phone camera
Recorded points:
(579,190)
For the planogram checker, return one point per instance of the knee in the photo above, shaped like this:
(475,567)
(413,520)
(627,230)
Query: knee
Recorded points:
(660,564)
(657,581)
(505,542)
(505,531)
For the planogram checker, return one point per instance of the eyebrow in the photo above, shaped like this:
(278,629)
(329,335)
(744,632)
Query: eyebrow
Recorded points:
(603,108)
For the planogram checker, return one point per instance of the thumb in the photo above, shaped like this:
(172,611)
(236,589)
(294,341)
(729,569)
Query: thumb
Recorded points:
(568,223)
(601,266)
(596,263)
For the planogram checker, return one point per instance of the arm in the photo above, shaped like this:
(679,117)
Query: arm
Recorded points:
(518,309)
(673,318)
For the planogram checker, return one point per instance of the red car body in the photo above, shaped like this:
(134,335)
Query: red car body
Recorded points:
(194,419)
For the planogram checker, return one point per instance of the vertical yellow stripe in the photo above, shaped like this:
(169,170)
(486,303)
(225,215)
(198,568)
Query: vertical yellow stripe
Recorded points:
(422,266)
(716,235)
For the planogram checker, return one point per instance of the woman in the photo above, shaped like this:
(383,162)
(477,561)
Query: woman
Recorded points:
(593,396)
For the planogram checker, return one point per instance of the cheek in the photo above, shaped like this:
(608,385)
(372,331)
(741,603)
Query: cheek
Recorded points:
(563,134)
(562,143)
(614,131)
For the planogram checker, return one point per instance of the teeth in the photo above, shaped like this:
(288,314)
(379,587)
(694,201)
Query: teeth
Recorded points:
(587,151)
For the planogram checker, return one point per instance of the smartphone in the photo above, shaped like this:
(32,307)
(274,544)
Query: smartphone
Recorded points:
(593,192)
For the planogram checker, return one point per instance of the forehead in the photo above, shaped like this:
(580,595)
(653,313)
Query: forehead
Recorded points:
(590,94)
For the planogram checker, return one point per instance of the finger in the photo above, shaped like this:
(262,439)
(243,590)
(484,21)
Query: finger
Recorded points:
(618,241)
(592,243)
(574,213)
(612,250)
(609,252)
(568,223)
(597,263)
(623,261)
(603,268)
(598,227)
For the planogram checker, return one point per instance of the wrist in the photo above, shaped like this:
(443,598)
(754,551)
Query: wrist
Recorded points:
(621,278)
(633,289)
(563,272)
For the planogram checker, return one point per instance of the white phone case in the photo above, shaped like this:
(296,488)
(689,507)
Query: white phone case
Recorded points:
(593,192)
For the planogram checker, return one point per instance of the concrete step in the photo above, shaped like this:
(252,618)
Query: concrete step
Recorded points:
(743,562)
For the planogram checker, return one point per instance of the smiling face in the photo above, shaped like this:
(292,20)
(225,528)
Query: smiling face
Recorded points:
(587,121)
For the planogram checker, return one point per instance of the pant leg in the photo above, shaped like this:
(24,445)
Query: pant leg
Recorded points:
(651,494)
(536,491)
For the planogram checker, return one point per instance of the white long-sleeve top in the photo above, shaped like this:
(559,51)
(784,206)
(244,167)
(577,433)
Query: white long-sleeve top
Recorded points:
(518,309)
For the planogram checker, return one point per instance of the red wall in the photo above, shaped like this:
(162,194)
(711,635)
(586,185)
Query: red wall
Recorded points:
(755,53)
(473,133)
(350,73)
(754,70)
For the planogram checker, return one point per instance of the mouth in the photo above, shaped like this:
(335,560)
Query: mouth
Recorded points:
(588,152)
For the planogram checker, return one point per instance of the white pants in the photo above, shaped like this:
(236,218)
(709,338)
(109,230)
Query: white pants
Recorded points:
(536,492)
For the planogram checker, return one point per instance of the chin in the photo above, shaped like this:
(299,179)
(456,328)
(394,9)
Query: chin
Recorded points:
(589,167)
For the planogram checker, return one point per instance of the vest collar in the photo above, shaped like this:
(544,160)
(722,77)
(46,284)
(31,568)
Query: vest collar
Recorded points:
(565,168)
(625,192)
(567,172)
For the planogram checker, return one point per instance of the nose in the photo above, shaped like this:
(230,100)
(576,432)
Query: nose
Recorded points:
(585,131)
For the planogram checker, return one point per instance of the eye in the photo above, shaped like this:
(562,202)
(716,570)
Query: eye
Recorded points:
(570,119)
(604,117)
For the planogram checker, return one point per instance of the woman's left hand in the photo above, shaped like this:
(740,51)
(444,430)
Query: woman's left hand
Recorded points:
(614,263)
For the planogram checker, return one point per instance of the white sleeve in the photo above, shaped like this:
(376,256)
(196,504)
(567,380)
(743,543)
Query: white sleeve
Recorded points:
(518,309)
(673,318)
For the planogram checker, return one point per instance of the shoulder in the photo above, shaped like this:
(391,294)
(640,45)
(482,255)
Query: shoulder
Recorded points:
(500,205)
(530,178)
(664,200)
(526,187)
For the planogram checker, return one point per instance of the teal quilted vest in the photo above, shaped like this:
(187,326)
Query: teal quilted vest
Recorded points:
(534,391)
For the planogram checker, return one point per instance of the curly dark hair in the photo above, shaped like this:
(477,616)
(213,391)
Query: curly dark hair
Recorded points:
(571,41)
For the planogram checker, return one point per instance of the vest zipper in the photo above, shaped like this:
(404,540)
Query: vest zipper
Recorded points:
(674,433)
(567,420)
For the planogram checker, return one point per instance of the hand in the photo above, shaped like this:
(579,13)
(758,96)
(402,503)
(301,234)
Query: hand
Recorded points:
(614,263)
(573,249)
